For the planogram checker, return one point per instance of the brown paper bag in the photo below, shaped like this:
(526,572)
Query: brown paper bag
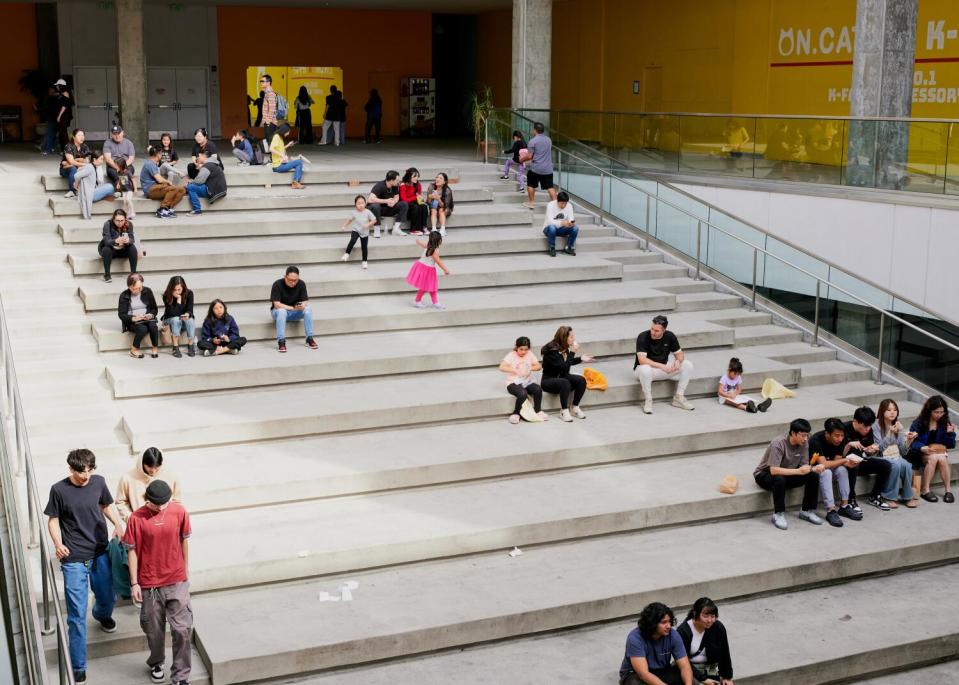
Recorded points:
(729,485)
(166,337)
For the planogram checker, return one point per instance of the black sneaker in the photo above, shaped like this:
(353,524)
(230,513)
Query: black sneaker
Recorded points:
(570,251)
(108,279)
(552,252)
(832,518)
(751,407)
(176,352)
(846,511)
(855,505)
(156,673)
(765,404)
(879,503)
(281,345)
(159,213)
(311,343)
(108,625)
(191,350)
(79,677)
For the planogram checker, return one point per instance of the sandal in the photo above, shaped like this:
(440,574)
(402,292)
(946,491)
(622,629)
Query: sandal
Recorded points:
(929,496)
(136,355)
(891,504)
(948,498)
(910,503)
(154,355)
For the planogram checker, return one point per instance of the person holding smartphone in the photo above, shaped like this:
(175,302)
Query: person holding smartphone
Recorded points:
(561,221)
(137,309)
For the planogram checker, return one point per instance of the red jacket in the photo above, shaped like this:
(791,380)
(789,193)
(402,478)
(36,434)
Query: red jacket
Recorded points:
(409,193)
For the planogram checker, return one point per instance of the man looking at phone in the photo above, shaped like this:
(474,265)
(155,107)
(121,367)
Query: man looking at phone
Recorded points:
(861,448)
(290,302)
(560,221)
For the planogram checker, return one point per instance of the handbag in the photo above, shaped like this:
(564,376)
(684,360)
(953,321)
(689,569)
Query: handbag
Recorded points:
(891,452)
(166,337)
(527,413)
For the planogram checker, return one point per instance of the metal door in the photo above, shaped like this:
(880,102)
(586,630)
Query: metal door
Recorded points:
(95,90)
(162,102)
(192,98)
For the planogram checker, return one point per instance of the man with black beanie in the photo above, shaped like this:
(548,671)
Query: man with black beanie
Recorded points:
(156,537)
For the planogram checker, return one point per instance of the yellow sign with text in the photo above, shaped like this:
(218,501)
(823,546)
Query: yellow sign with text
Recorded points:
(287,82)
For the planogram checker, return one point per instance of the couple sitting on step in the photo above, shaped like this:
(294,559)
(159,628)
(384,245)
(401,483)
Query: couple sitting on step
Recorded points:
(866,445)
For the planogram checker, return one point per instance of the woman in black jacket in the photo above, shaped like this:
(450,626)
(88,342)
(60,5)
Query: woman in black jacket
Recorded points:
(118,242)
(558,355)
(137,310)
(178,314)
(707,646)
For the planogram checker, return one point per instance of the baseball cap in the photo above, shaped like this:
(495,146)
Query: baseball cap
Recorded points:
(59,82)
(116,128)
(158,492)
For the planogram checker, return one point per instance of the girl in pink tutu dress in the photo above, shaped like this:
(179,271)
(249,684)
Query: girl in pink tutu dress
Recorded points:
(422,275)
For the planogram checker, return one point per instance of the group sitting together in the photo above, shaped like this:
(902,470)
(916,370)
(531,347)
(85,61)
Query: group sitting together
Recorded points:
(866,445)
(404,200)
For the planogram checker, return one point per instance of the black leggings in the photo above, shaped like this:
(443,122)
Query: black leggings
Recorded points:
(370,125)
(109,254)
(521,393)
(563,387)
(234,344)
(142,329)
(364,242)
(418,215)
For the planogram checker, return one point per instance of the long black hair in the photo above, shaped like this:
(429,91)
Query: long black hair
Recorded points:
(933,403)
(408,176)
(174,282)
(304,95)
(703,605)
(210,316)
(650,617)
(433,243)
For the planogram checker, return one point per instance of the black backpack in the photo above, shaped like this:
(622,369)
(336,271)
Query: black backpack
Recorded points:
(257,145)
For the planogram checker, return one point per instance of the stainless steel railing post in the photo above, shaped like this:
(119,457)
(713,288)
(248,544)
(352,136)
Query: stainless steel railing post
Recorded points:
(755,272)
(882,326)
(602,193)
(699,232)
(815,335)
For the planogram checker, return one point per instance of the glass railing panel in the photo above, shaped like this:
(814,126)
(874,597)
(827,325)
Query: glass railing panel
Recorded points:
(648,141)
(727,248)
(809,150)
(920,356)
(952,159)
(846,287)
(927,144)
(676,219)
(717,144)
(579,173)
(780,277)
(627,204)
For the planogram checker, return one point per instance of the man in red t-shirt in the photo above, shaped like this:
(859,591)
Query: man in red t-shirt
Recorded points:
(156,537)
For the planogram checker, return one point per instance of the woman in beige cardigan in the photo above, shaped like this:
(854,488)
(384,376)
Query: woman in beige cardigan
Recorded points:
(131,491)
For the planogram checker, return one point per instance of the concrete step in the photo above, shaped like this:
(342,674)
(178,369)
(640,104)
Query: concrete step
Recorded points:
(259,414)
(129,668)
(384,354)
(336,280)
(356,463)
(791,352)
(678,286)
(548,588)
(833,371)
(319,172)
(593,654)
(698,301)
(292,222)
(280,251)
(644,272)
(280,197)
(767,334)
(464,308)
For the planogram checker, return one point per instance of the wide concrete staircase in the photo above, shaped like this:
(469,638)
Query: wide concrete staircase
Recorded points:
(353,508)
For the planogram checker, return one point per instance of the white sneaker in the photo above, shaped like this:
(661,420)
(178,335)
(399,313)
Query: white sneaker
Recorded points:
(243,164)
(779,520)
(810,516)
(345,257)
(443,231)
(648,406)
(419,305)
(398,231)
(70,194)
(306,161)
(543,416)
(564,416)
(365,266)
(437,305)
(376,232)
(679,401)
(578,413)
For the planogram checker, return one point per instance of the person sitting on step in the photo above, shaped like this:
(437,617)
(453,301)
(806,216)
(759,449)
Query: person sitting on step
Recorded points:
(784,465)
(706,643)
(935,435)
(137,309)
(411,192)
(178,314)
(281,161)
(559,354)
(117,242)
(384,200)
(655,654)
(862,450)
(289,302)
(894,442)
(730,388)
(156,187)
(658,357)
(440,198)
(827,448)
(220,333)
(208,180)
(91,184)
(242,148)
(519,366)
(560,221)
(169,159)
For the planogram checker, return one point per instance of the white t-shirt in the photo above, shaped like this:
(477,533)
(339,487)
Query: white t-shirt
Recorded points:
(360,222)
(695,644)
(554,214)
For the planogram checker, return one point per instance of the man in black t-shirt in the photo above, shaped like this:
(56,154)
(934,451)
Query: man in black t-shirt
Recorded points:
(384,200)
(658,357)
(289,302)
(77,509)
(828,448)
(860,445)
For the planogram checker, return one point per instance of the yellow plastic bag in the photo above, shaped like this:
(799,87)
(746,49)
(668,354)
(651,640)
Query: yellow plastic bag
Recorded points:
(595,380)
(776,390)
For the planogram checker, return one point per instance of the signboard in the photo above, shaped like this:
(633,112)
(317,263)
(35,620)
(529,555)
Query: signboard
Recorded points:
(287,82)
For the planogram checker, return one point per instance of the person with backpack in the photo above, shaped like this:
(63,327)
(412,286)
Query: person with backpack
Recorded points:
(243,148)
(270,106)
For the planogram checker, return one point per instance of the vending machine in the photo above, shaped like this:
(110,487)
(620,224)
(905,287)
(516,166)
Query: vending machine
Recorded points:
(418,107)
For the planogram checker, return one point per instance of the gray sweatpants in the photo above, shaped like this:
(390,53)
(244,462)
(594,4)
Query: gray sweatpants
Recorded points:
(169,604)
(171,173)
(241,155)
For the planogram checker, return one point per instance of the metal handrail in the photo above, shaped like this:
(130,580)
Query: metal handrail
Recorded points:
(756,251)
(19,443)
(652,179)
(719,115)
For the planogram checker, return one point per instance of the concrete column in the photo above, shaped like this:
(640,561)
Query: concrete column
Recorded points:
(532,53)
(132,72)
(883,58)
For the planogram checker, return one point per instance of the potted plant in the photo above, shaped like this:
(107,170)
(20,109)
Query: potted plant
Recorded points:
(481,107)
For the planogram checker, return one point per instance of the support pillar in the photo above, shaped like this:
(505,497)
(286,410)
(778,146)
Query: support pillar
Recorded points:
(883,69)
(532,53)
(132,72)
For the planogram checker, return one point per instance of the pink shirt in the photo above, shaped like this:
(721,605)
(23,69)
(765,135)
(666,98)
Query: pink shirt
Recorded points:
(522,367)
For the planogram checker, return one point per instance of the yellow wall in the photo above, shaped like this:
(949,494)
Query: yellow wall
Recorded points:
(743,56)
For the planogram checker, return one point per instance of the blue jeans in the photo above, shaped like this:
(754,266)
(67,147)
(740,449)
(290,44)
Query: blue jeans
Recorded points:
(79,577)
(69,173)
(196,191)
(50,137)
(899,474)
(296,166)
(177,324)
(103,191)
(281,316)
(569,233)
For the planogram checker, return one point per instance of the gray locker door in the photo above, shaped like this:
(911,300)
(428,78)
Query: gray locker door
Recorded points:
(162,102)
(95,91)
(193,99)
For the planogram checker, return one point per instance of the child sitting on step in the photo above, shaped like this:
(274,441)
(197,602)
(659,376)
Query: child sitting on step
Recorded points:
(422,275)
(730,387)
(360,220)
